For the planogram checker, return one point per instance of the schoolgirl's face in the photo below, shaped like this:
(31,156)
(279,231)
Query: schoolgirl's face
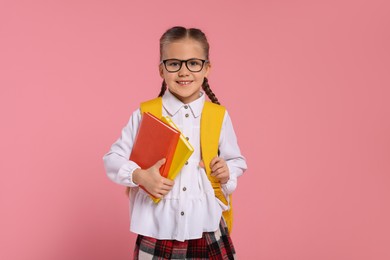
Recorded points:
(185,84)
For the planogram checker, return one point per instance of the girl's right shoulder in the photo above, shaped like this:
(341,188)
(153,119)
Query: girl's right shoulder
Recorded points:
(135,117)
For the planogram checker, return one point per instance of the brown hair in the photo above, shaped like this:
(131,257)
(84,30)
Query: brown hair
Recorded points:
(178,33)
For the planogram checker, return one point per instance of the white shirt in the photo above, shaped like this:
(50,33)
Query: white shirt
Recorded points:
(191,207)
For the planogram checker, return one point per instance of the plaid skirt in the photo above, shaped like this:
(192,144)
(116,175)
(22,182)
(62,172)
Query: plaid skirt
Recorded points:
(212,245)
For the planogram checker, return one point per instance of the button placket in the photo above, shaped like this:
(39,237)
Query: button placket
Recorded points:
(187,130)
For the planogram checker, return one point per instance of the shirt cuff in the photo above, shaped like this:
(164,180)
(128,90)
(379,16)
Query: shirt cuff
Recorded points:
(230,185)
(125,174)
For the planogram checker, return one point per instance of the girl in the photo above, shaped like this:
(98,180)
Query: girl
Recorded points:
(187,223)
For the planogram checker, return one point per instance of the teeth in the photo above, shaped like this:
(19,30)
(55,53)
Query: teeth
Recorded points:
(184,82)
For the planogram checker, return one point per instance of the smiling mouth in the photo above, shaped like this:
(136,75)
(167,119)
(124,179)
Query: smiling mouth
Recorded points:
(184,82)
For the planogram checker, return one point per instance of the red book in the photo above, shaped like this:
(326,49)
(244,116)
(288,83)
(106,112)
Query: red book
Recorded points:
(154,141)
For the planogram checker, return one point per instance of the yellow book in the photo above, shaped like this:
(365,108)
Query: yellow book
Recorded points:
(182,153)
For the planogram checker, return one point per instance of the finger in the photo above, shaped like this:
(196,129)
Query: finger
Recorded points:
(201,164)
(224,180)
(158,195)
(164,193)
(165,189)
(214,161)
(154,193)
(218,170)
(168,182)
(219,173)
(217,166)
(159,163)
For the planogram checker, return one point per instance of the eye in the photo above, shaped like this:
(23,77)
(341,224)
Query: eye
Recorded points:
(195,63)
(173,63)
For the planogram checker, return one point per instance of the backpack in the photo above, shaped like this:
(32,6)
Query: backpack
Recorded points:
(210,130)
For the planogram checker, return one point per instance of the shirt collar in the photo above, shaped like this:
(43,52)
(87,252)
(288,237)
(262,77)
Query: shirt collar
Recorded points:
(172,105)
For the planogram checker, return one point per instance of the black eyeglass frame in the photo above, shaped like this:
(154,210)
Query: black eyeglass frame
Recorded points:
(181,64)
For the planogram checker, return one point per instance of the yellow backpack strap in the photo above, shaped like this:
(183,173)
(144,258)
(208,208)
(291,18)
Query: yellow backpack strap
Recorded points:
(210,130)
(153,106)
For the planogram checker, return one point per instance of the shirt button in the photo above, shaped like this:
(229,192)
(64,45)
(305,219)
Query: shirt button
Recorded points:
(182,213)
(186,163)
(187,138)
(184,189)
(187,115)
(185,106)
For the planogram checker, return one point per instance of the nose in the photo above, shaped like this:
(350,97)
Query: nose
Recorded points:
(183,70)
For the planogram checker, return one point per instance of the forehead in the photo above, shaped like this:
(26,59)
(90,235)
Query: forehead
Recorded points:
(183,49)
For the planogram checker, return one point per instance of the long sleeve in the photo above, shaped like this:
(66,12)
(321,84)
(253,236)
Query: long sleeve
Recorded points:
(230,152)
(191,207)
(118,167)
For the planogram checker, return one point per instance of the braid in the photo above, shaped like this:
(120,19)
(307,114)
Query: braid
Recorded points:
(209,92)
(163,88)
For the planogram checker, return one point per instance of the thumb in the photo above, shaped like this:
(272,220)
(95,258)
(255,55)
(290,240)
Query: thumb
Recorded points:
(201,164)
(160,163)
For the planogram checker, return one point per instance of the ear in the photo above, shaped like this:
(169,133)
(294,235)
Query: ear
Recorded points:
(207,69)
(161,70)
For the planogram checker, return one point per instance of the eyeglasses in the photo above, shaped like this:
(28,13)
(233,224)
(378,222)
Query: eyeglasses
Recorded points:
(193,65)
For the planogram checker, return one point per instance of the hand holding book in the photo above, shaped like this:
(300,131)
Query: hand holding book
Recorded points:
(156,139)
(152,180)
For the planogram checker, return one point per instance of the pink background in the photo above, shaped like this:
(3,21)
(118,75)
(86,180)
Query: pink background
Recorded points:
(307,86)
